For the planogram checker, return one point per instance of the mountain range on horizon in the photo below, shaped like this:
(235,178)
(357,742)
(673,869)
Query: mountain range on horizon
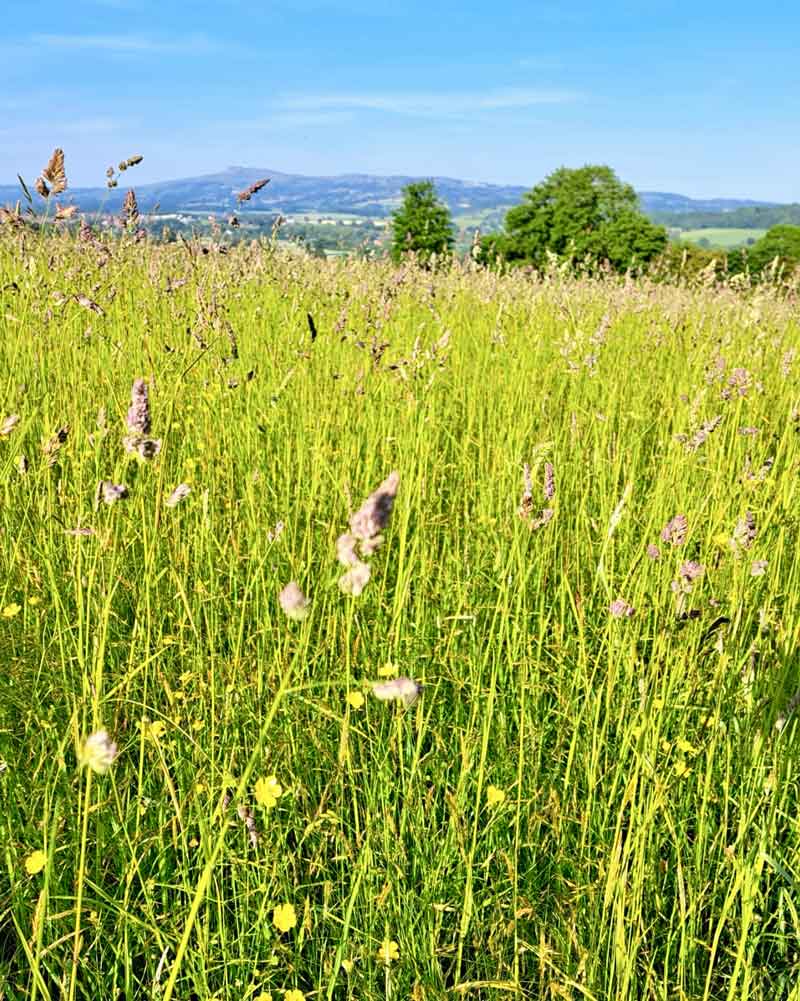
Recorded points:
(367,195)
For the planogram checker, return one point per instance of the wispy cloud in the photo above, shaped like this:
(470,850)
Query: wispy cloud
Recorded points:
(129,44)
(431,105)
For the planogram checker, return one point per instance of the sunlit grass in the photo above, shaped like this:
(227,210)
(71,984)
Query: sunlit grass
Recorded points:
(581,803)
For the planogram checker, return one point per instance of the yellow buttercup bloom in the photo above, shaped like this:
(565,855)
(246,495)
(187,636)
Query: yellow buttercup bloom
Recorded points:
(355,700)
(388,952)
(267,792)
(35,862)
(263,996)
(11,610)
(387,671)
(294,995)
(494,795)
(284,917)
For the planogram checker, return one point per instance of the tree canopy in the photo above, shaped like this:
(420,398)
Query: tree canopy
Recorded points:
(575,213)
(422,224)
(782,242)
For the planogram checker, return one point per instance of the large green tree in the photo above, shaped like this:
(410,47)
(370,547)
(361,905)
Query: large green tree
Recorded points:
(574,214)
(782,242)
(422,224)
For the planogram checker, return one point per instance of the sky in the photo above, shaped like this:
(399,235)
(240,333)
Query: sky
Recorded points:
(698,98)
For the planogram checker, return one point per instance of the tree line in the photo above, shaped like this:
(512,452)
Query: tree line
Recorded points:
(585,215)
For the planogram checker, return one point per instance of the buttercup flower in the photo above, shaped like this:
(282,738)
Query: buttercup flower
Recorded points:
(494,796)
(267,792)
(284,917)
(35,862)
(355,700)
(293,995)
(388,952)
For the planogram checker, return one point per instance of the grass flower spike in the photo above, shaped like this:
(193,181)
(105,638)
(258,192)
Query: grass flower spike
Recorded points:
(98,752)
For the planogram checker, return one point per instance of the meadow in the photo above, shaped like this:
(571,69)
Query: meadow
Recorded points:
(725,239)
(589,567)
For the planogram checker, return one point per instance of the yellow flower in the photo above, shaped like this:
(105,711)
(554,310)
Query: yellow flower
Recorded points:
(294,995)
(355,699)
(198,724)
(35,862)
(34,599)
(263,996)
(155,730)
(681,768)
(284,917)
(11,610)
(98,752)
(494,796)
(267,792)
(387,671)
(388,952)
(347,965)
(684,746)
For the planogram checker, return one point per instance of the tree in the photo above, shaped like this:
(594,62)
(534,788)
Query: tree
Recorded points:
(422,224)
(578,213)
(782,242)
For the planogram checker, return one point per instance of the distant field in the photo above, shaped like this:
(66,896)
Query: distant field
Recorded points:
(723,238)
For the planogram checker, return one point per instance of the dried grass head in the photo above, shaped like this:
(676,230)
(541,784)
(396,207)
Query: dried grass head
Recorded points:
(54,172)
(247,194)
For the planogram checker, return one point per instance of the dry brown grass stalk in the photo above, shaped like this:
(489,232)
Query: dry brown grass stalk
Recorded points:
(54,173)
(247,194)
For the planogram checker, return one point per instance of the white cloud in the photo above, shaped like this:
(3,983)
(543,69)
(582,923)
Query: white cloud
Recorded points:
(431,105)
(128,44)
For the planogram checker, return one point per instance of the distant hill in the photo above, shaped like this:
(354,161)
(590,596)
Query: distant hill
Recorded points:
(354,194)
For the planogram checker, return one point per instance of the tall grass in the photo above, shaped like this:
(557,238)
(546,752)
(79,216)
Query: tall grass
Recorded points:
(580,805)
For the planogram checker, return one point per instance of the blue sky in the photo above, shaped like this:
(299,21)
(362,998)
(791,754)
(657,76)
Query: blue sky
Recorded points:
(699,98)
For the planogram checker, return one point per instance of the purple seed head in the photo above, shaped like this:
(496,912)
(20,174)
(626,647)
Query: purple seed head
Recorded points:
(620,609)
(674,532)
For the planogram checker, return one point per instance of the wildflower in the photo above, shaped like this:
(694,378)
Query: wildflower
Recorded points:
(405,689)
(387,671)
(110,492)
(284,917)
(758,568)
(674,532)
(138,417)
(653,552)
(373,515)
(355,700)
(155,731)
(681,768)
(98,752)
(263,996)
(745,531)
(388,952)
(691,571)
(293,995)
(35,862)
(11,610)
(347,966)
(181,492)
(346,550)
(138,424)
(267,792)
(526,504)
(700,436)
(294,602)
(8,424)
(246,816)
(544,517)
(494,796)
(549,481)
(620,609)
(355,579)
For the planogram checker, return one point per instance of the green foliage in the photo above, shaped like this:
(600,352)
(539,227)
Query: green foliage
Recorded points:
(422,224)
(780,242)
(577,214)
(744,217)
